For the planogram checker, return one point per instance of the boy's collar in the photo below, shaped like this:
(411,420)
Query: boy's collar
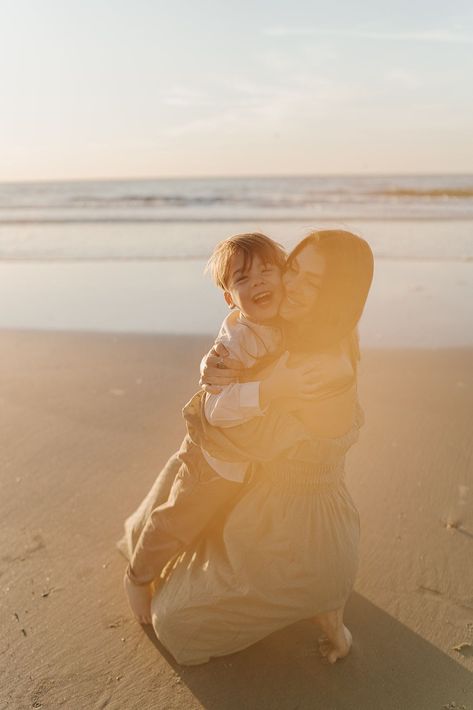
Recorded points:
(275,324)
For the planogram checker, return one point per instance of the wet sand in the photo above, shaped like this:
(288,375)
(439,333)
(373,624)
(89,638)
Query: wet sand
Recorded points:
(87,420)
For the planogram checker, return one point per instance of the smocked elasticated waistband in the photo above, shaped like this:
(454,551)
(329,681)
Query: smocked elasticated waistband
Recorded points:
(305,474)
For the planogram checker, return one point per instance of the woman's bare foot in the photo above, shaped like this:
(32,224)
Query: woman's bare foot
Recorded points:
(139,599)
(337,639)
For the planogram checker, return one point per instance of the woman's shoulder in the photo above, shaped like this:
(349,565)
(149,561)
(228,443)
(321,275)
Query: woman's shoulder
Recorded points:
(334,365)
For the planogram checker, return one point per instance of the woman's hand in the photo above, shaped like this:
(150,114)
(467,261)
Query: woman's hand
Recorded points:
(302,382)
(217,369)
(139,599)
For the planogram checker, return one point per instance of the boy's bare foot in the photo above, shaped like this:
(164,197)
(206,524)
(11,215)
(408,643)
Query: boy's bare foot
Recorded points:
(337,639)
(139,599)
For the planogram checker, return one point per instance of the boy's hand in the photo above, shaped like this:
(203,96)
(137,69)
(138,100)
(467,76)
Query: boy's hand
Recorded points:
(302,382)
(217,369)
(139,599)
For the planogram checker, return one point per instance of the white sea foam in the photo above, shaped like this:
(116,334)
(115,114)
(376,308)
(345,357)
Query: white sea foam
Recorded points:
(182,219)
(129,255)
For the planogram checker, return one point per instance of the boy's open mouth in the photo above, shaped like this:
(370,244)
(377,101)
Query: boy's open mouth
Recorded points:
(263,298)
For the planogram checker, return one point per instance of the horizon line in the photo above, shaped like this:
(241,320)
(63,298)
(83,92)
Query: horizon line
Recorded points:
(259,176)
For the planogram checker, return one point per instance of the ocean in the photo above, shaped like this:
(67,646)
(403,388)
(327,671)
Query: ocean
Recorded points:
(128,255)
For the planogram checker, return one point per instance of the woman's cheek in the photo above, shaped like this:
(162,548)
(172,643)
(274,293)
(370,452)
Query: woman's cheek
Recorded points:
(315,295)
(287,280)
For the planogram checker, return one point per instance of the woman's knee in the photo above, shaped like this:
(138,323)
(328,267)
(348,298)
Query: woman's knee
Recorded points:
(176,635)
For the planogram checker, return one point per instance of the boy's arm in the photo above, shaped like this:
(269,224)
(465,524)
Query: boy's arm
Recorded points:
(217,369)
(234,404)
(237,402)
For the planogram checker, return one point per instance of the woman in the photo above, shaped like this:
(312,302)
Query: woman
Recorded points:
(288,549)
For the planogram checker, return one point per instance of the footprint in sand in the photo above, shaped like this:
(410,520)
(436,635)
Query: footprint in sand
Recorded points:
(466,649)
(117,392)
(44,686)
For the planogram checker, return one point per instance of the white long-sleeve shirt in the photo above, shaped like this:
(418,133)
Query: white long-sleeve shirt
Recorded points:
(236,403)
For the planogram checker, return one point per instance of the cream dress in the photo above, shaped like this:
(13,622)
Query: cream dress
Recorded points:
(287,551)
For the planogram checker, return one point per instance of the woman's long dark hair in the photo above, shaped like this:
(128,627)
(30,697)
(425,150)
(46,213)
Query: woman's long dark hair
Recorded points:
(343,292)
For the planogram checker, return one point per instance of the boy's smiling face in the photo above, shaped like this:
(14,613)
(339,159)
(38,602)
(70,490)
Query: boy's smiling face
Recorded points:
(255,288)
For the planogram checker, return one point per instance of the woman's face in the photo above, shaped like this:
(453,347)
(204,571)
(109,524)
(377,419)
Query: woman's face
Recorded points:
(302,280)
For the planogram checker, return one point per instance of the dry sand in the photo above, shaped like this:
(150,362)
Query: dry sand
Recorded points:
(86,423)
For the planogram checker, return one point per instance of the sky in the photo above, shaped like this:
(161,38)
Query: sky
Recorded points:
(151,88)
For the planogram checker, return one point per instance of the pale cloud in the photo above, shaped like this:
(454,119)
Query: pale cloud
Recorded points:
(444,36)
(240,105)
(403,78)
(218,121)
(304,55)
(185,97)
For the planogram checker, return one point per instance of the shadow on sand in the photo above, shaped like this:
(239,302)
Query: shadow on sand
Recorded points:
(389,668)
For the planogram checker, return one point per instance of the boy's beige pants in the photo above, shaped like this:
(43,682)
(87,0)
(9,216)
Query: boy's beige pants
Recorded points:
(186,496)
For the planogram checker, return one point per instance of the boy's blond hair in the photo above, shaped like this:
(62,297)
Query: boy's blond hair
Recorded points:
(249,244)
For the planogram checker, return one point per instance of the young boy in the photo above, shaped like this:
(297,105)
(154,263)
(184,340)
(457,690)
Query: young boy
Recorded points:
(248,268)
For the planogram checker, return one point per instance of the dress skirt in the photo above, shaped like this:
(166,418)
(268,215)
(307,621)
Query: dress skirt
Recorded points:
(287,551)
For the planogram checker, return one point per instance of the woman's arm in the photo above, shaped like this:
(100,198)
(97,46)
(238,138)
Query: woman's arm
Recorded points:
(239,402)
(262,438)
(288,419)
(229,402)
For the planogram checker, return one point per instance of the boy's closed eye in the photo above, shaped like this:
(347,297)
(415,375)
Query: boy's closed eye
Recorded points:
(264,269)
